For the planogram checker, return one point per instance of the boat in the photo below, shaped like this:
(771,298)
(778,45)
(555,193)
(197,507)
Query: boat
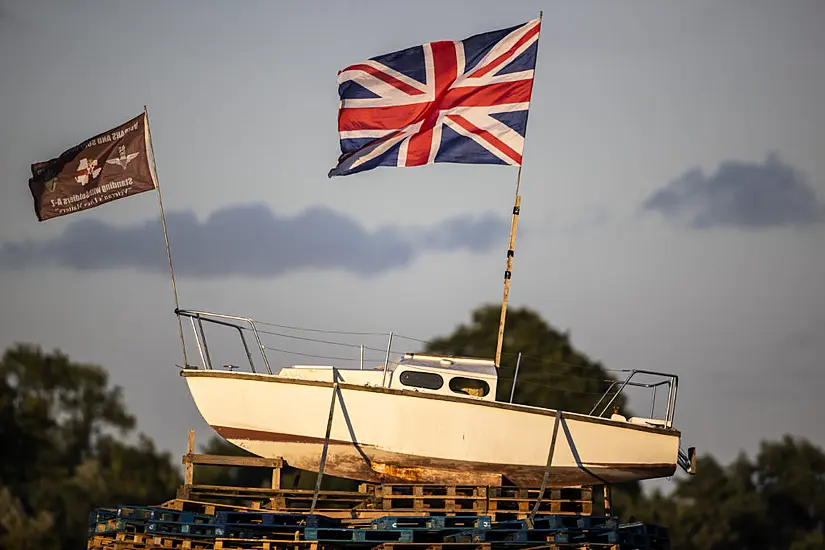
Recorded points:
(431,419)
(428,419)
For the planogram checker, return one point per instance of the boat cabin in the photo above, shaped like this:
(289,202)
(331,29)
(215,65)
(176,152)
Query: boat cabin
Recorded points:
(444,375)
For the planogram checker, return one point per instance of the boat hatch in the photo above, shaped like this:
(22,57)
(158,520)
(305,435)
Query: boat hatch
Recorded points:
(456,376)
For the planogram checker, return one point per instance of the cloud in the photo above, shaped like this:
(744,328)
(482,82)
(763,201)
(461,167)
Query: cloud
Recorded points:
(739,194)
(252,241)
(473,234)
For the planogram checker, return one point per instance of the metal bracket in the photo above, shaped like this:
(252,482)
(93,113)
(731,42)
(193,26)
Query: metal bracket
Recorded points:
(687,461)
(546,471)
(326,441)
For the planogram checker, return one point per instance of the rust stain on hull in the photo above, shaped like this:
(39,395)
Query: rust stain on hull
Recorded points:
(367,463)
(422,473)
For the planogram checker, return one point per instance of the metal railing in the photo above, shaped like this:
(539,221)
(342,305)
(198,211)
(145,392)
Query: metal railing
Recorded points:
(670,380)
(197,319)
(247,325)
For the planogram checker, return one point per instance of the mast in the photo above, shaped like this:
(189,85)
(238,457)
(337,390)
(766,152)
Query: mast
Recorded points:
(508,271)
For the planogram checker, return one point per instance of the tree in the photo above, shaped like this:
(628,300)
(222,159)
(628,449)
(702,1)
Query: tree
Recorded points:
(776,501)
(552,373)
(62,457)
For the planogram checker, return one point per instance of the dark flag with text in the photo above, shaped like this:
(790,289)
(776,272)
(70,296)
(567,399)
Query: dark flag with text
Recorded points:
(107,167)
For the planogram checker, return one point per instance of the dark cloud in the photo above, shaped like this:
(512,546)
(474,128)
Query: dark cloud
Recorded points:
(252,241)
(739,194)
(465,233)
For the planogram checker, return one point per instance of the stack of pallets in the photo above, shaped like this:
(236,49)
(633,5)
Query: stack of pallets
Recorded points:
(372,500)
(373,517)
(132,527)
(502,503)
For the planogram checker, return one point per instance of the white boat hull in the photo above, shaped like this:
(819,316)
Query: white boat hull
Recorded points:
(401,436)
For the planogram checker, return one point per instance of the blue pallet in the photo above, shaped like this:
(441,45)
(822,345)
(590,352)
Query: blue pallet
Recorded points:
(544,522)
(432,522)
(279,532)
(561,522)
(597,522)
(257,519)
(644,528)
(640,535)
(509,535)
(167,515)
(182,528)
(137,512)
(101,514)
(101,521)
(358,535)
(600,537)
(253,525)
(125,519)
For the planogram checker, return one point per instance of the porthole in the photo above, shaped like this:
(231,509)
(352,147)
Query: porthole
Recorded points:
(427,380)
(469,386)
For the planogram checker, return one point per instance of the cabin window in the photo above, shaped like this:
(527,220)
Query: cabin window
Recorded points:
(469,386)
(426,380)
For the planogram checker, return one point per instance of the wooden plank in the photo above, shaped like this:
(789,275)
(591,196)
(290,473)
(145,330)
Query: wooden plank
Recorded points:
(294,493)
(440,497)
(276,503)
(607,507)
(418,494)
(450,502)
(189,468)
(202,507)
(221,460)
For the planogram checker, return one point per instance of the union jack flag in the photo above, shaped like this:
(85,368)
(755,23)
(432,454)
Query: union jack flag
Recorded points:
(461,102)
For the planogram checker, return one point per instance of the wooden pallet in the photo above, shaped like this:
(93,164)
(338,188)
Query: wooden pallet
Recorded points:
(490,546)
(383,500)
(128,541)
(373,500)
(190,491)
(502,503)
(259,544)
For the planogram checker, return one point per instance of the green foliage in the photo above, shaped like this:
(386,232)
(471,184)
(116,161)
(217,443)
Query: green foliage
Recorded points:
(776,501)
(61,457)
(65,451)
(552,373)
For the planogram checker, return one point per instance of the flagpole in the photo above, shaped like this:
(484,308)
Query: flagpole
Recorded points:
(508,271)
(166,239)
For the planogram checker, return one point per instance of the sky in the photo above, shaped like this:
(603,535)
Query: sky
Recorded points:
(673,194)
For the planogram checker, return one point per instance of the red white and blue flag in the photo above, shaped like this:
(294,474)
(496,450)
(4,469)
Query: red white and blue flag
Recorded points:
(460,102)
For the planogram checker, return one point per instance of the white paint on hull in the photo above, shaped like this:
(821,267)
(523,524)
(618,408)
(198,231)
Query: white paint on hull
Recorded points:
(375,431)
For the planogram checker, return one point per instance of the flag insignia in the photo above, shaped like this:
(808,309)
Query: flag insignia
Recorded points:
(80,179)
(450,101)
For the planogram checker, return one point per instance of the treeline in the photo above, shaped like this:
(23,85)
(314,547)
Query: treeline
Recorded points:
(65,437)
